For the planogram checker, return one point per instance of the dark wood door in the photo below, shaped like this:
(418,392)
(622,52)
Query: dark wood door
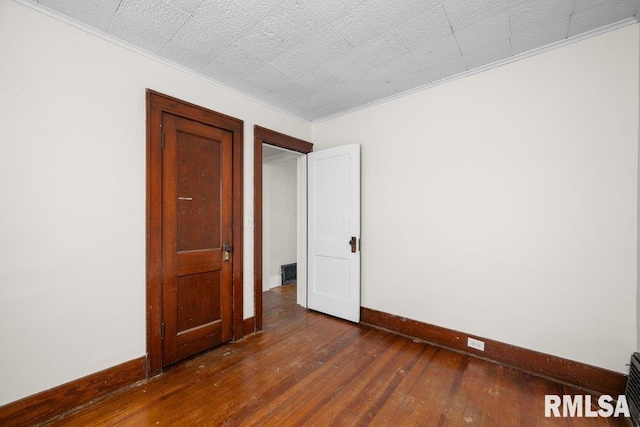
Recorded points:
(196,225)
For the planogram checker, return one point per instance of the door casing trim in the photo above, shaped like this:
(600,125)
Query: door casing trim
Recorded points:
(157,104)
(265,136)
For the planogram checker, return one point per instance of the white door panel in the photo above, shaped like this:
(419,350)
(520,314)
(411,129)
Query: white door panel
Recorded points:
(333,219)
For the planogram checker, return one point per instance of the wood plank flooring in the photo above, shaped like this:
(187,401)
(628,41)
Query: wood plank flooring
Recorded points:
(306,368)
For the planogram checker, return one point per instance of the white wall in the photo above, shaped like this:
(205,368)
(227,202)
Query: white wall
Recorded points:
(72,191)
(280,203)
(505,204)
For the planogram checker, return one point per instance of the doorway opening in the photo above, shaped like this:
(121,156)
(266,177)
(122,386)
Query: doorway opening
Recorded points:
(282,220)
(280,157)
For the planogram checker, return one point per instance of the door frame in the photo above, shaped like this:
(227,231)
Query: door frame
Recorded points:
(157,104)
(265,136)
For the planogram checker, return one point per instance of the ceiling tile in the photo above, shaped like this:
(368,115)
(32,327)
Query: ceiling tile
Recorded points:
(382,48)
(540,36)
(324,111)
(343,95)
(361,23)
(148,25)
(260,8)
(588,4)
(95,13)
(248,86)
(398,11)
(528,15)
(601,15)
(340,91)
(435,74)
(446,47)
(289,106)
(232,65)
(371,95)
(316,58)
(346,89)
(269,78)
(368,96)
(324,47)
(438,51)
(330,10)
(398,67)
(226,17)
(187,6)
(463,13)
(264,42)
(483,33)
(340,106)
(219,73)
(295,20)
(365,81)
(315,100)
(412,81)
(486,55)
(449,67)
(311,55)
(292,32)
(195,45)
(347,65)
(318,99)
(440,65)
(319,80)
(424,28)
(299,13)
(295,63)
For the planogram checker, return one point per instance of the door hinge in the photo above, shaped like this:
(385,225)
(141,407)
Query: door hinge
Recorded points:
(162,140)
(162,330)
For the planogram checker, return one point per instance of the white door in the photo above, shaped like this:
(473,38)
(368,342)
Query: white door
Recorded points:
(334,231)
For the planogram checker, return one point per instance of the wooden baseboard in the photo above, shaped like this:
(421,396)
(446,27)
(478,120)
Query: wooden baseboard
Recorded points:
(51,403)
(249,326)
(581,375)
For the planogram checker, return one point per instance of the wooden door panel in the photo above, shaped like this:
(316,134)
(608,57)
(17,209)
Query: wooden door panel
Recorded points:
(192,262)
(198,341)
(198,297)
(197,221)
(198,189)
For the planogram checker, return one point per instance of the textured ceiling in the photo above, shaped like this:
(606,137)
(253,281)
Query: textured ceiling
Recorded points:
(318,58)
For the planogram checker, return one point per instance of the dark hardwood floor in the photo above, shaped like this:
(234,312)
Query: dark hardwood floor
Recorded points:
(306,368)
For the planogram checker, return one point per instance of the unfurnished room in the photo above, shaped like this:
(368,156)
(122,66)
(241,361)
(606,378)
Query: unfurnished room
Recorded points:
(319,212)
